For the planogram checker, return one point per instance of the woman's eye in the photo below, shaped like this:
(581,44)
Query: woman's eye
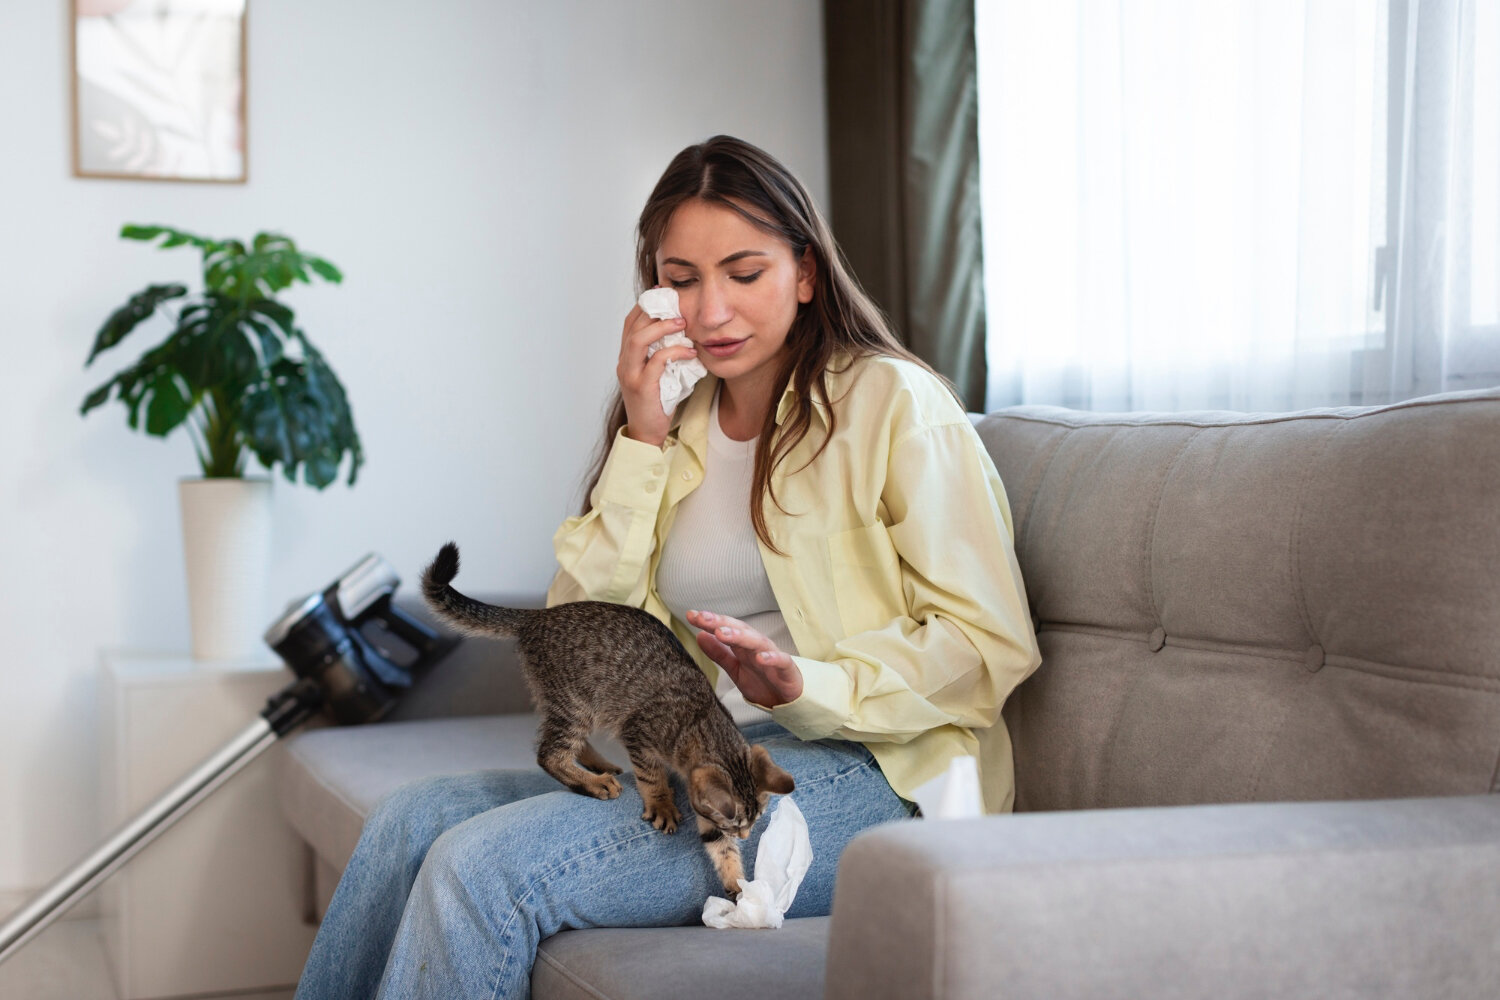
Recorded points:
(743,279)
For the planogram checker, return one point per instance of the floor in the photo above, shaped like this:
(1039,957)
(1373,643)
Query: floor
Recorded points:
(66,962)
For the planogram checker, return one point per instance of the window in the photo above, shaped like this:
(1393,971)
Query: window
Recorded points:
(1238,203)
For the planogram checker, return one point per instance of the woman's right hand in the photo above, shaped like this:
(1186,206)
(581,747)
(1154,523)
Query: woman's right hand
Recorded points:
(640,377)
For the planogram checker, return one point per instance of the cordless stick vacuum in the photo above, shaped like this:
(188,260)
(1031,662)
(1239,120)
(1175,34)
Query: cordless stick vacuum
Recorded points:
(353,652)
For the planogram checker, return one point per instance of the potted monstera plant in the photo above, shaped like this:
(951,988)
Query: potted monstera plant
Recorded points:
(244,380)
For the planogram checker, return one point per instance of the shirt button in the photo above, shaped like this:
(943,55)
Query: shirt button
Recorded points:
(650,487)
(801,615)
(656,470)
(687,475)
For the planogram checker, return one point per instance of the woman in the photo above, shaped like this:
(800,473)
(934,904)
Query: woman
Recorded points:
(823,499)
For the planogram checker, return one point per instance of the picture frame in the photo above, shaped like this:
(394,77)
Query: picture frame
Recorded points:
(159,90)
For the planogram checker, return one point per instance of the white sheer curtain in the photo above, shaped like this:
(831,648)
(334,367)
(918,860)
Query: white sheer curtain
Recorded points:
(1239,204)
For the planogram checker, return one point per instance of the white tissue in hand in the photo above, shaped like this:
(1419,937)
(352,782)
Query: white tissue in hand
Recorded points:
(781,860)
(954,794)
(659,303)
(680,377)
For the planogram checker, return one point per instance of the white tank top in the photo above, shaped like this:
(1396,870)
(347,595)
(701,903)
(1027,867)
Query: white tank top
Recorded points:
(711,561)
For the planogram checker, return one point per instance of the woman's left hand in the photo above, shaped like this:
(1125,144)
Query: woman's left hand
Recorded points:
(764,674)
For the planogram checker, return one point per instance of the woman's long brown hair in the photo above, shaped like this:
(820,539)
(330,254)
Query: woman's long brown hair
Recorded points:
(840,319)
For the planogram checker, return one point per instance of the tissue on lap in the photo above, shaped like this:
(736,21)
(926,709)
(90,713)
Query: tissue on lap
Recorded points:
(781,861)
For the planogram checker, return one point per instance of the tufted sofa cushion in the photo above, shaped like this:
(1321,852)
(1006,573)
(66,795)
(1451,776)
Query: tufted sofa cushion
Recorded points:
(1240,607)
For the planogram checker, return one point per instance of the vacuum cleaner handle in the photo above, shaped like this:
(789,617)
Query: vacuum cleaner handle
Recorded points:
(421,636)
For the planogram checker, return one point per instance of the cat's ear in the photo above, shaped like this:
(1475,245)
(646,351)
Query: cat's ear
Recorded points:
(768,777)
(711,794)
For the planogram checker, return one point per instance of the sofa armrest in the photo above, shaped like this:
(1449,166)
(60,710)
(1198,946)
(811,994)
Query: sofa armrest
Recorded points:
(1395,898)
(480,676)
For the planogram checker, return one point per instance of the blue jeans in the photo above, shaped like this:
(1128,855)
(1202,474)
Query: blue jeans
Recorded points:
(457,879)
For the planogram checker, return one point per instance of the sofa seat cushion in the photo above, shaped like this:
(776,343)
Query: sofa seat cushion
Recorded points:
(687,962)
(331,778)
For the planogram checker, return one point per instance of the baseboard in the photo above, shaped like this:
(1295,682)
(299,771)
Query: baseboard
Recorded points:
(12,900)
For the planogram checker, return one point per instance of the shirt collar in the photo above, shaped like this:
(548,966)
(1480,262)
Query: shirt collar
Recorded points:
(690,424)
(691,421)
(787,403)
(834,380)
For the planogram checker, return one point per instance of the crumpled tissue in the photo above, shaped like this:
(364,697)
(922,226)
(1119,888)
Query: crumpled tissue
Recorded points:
(954,794)
(781,860)
(680,377)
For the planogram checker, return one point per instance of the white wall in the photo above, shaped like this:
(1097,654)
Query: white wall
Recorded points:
(475,167)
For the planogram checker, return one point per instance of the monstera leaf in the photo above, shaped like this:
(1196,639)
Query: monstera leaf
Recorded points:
(141,307)
(298,416)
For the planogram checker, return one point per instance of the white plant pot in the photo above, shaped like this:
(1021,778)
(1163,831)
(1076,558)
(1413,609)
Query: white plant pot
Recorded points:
(226,541)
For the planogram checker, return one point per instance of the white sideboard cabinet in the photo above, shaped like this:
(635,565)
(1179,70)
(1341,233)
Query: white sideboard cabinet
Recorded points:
(216,903)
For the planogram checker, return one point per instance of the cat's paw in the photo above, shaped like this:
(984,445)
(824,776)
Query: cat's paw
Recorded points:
(731,873)
(595,761)
(663,815)
(602,786)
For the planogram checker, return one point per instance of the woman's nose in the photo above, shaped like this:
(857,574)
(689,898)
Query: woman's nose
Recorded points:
(713,305)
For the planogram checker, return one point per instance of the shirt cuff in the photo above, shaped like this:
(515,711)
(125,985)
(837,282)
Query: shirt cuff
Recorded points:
(633,475)
(824,704)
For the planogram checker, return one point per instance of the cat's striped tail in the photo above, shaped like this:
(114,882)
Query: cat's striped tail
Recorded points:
(468,616)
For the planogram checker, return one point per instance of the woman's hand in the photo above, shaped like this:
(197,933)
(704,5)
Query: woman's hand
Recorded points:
(640,377)
(763,673)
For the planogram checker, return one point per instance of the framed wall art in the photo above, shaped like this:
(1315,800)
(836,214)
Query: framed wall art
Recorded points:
(159,89)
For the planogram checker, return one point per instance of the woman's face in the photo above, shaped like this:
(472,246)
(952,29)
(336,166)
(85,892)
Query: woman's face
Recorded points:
(739,289)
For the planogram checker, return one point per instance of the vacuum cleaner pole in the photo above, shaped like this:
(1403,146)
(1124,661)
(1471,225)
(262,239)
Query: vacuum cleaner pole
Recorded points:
(342,644)
(285,711)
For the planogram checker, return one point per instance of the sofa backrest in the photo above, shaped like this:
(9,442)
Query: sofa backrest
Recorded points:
(478,677)
(1239,607)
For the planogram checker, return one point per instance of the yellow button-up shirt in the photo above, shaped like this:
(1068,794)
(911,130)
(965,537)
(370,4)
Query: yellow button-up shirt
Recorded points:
(897,574)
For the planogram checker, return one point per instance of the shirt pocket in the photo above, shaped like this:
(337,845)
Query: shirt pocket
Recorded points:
(866,578)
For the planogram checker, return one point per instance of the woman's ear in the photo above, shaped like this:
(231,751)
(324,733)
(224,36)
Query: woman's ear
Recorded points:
(807,276)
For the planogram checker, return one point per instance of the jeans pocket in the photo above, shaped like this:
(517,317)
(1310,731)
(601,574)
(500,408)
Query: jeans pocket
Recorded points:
(856,754)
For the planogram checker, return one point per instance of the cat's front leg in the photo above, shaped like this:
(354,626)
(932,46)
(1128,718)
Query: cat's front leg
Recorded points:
(661,811)
(724,852)
(596,761)
(558,746)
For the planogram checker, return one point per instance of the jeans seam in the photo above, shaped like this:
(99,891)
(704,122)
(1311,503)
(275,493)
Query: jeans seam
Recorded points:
(531,885)
(848,770)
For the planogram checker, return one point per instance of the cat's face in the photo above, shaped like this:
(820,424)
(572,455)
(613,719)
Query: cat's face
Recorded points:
(732,799)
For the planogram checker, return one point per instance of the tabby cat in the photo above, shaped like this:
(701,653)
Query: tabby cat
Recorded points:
(592,665)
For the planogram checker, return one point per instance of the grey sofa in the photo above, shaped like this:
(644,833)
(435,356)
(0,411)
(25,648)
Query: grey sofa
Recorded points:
(1259,758)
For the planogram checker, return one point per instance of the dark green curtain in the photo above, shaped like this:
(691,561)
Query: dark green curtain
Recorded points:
(903,156)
